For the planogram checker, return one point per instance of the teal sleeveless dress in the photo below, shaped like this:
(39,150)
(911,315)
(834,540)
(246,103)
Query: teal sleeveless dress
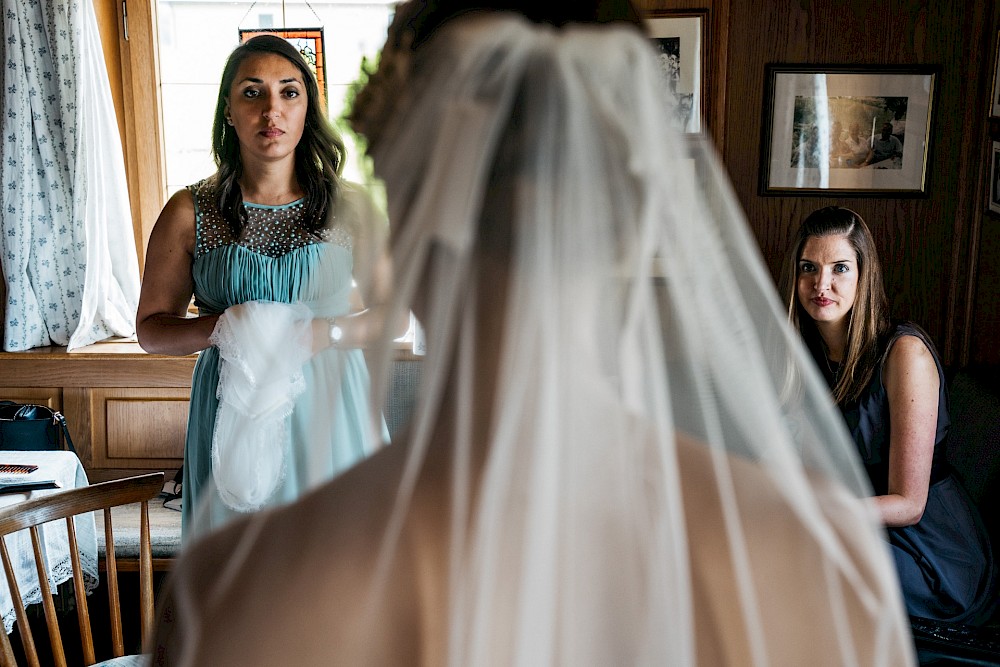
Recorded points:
(276,259)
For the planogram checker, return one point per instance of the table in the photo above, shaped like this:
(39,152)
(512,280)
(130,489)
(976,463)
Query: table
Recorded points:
(65,468)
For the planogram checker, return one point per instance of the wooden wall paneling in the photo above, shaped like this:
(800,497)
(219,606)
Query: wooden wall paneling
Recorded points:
(924,243)
(50,397)
(79,420)
(126,410)
(962,118)
(138,427)
(68,370)
(984,294)
(985,327)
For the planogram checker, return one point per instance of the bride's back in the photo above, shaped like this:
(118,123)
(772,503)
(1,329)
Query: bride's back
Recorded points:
(299,585)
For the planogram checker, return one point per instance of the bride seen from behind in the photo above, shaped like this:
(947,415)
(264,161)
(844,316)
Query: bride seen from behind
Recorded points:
(605,464)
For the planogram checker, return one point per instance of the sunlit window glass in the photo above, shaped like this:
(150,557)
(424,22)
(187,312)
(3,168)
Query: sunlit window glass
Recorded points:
(196,37)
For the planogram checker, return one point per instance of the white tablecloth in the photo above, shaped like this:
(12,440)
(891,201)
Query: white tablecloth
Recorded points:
(65,468)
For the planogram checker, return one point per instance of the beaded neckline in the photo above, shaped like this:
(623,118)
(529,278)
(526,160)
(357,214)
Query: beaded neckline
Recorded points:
(269,230)
(275,207)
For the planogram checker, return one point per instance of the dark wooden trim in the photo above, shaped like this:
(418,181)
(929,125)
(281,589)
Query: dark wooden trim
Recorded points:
(132,564)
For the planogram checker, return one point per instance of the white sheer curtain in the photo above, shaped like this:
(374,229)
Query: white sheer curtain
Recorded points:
(68,254)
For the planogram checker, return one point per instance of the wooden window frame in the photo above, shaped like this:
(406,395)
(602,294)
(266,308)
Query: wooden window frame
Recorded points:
(129,37)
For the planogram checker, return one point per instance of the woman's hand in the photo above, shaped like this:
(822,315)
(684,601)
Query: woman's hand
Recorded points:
(912,383)
(355,330)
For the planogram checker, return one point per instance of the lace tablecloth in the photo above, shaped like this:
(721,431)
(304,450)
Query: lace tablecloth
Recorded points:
(65,468)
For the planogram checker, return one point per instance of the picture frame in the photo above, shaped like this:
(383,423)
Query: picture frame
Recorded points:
(307,41)
(994,184)
(995,98)
(680,39)
(847,130)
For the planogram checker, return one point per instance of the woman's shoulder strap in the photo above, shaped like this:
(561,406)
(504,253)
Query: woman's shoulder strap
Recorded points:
(211,228)
(906,328)
(203,193)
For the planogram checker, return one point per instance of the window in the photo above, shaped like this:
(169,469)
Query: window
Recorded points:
(171,64)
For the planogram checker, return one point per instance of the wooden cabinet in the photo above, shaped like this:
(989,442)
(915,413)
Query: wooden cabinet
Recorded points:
(136,427)
(126,410)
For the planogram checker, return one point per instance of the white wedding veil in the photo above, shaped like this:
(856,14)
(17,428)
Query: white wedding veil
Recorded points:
(662,469)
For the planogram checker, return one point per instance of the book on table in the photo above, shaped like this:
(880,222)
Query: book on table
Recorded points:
(15,478)
(20,487)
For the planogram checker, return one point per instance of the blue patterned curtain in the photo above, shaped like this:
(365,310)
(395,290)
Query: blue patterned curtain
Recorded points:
(68,250)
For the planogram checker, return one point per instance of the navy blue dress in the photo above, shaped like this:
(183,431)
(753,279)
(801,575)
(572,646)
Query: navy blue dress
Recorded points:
(944,561)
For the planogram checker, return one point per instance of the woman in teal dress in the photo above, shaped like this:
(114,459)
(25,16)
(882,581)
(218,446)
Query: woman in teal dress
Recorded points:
(274,223)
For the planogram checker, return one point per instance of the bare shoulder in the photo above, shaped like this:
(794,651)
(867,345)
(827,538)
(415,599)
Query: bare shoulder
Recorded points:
(761,492)
(306,573)
(179,206)
(909,360)
(707,477)
(909,349)
(746,531)
(176,222)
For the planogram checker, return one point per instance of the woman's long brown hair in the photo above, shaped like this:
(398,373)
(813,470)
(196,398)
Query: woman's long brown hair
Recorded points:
(869,317)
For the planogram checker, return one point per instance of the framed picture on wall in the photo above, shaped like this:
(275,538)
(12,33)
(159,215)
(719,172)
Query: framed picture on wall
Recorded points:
(847,130)
(679,38)
(994,203)
(307,41)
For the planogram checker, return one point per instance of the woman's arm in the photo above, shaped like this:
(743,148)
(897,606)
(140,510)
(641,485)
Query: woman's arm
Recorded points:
(162,324)
(364,324)
(912,383)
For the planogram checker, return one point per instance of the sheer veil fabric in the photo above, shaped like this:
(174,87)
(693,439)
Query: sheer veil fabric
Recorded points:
(662,463)
(263,346)
(620,453)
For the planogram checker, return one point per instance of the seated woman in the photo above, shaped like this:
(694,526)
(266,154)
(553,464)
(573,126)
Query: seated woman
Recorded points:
(601,467)
(888,381)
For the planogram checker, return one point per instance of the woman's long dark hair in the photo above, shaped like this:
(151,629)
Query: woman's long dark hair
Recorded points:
(319,156)
(870,313)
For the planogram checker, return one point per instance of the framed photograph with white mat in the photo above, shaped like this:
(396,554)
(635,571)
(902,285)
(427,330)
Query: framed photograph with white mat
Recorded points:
(680,42)
(847,130)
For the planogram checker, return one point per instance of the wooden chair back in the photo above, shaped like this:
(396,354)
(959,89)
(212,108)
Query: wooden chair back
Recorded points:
(65,505)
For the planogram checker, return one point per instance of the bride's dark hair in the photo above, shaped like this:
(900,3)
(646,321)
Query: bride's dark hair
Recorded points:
(417,20)
(426,16)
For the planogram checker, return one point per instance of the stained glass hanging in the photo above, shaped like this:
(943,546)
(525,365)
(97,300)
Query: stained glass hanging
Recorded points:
(307,41)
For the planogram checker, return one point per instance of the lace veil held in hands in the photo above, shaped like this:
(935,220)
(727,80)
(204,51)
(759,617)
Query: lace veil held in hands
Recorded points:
(661,473)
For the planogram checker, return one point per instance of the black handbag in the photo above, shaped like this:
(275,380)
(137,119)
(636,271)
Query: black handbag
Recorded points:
(29,427)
